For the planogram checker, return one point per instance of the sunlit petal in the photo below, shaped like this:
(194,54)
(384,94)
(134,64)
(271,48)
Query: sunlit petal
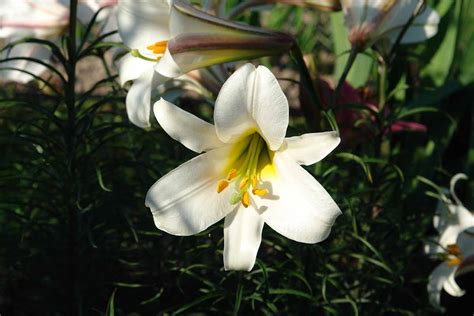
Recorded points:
(308,149)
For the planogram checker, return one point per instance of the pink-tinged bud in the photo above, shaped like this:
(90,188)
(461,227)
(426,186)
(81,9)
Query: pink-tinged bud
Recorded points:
(324,5)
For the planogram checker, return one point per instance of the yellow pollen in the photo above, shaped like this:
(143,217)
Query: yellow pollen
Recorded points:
(232,174)
(222,185)
(245,199)
(453,249)
(454,261)
(254,182)
(243,183)
(158,48)
(260,192)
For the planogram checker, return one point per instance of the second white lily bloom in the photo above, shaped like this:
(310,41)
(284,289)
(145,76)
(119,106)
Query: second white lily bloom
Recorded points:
(380,22)
(169,38)
(249,172)
(455,224)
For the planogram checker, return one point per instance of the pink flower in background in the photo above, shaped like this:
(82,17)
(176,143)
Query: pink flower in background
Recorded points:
(42,19)
(354,122)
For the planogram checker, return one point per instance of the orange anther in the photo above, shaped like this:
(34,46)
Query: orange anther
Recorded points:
(245,199)
(232,174)
(222,185)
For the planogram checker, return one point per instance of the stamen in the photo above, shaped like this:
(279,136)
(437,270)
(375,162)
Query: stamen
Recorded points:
(243,183)
(254,182)
(158,48)
(260,192)
(232,174)
(245,199)
(454,261)
(222,185)
(454,250)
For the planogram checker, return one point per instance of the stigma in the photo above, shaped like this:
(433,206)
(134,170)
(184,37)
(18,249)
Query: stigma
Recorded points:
(248,160)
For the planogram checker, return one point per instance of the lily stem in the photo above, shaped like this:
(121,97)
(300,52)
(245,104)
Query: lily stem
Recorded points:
(312,113)
(70,188)
(350,62)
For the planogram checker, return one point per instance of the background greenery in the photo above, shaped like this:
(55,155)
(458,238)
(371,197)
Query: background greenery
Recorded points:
(76,238)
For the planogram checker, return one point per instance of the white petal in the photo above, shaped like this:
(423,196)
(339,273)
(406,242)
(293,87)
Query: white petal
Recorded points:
(143,22)
(298,207)
(130,68)
(452,287)
(185,202)
(189,130)
(242,238)
(24,50)
(465,241)
(424,26)
(252,100)
(308,149)
(436,282)
(168,67)
(138,101)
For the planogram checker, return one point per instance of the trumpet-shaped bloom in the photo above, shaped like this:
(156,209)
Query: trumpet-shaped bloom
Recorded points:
(170,38)
(43,19)
(381,22)
(455,225)
(443,277)
(249,172)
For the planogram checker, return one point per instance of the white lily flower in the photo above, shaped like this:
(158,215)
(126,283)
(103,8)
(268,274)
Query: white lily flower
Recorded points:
(170,38)
(381,22)
(443,277)
(249,172)
(455,225)
(43,19)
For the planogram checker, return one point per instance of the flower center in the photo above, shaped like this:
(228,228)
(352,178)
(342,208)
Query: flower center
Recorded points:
(250,159)
(454,257)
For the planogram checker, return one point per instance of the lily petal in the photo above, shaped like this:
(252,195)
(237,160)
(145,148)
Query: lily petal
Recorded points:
(130,68)
(189,130)
(436,282)
(242,237)
(424,26)
(179,201)
(251,99)
(143,22)
(308,149)
(24,50)
(299,208)
(138,101)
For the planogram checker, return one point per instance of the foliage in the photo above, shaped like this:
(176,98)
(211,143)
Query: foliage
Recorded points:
(76,237)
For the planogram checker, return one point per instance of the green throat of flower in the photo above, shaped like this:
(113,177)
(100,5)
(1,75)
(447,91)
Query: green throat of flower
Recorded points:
(250,160)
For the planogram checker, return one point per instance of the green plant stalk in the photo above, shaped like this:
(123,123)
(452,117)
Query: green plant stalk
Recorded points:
(350,62)
(312,113)
(74,293)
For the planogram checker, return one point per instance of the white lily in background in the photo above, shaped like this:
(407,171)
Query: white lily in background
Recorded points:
(455,225)
(249,172)
(451,218)
(381,22)
(170,38)
(443,277)
(42,19)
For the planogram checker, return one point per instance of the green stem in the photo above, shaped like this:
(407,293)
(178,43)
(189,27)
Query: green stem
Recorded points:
(312,113)
(345,73)
(74,295)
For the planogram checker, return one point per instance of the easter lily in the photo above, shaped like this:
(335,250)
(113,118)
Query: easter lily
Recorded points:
(443,277)
(171,38)
(249,172)
(381,22)
(455,225)
(43,19)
